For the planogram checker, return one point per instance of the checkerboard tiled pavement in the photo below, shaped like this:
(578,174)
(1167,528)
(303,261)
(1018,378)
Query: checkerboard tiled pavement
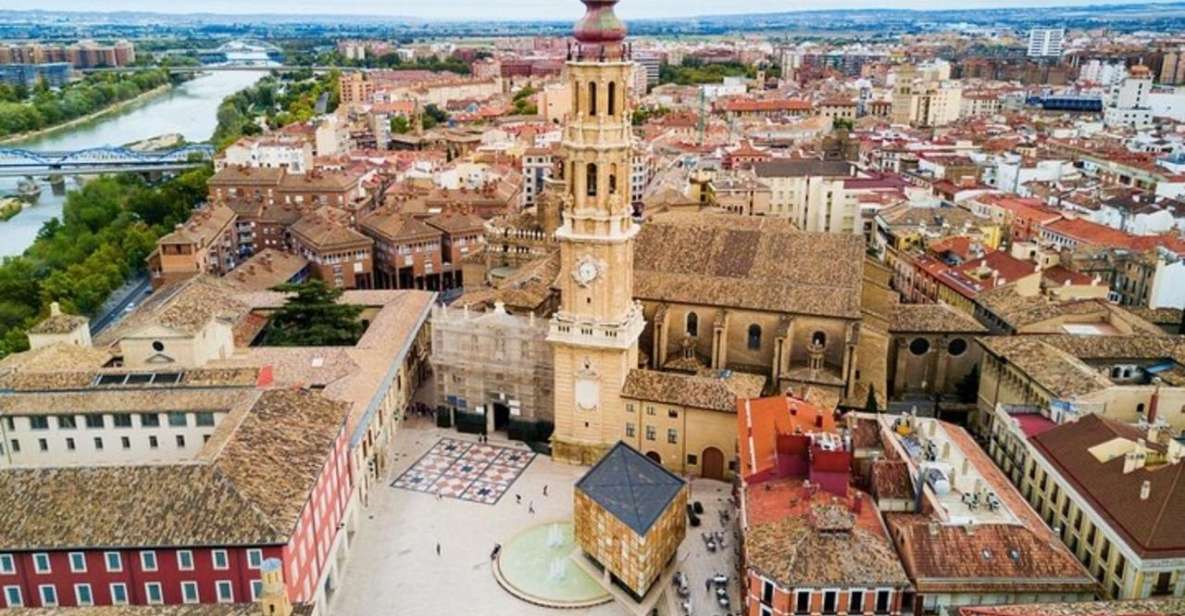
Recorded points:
(475,472)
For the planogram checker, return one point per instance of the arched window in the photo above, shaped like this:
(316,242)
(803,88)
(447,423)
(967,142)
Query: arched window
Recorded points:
(591,180)
(919,346)
(754,337)
(819,338)
(613,179)
(692,324)
(612,98)
(592,98)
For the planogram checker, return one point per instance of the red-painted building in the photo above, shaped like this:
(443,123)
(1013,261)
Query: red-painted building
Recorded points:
(275,485)
(811,543)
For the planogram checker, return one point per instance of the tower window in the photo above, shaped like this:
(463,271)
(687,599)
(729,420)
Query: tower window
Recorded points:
(692,324)
(612,98)
(592,98)
(591,180)
(612,184)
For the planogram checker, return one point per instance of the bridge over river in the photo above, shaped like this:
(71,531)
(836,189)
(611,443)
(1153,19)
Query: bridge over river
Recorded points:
(17,162)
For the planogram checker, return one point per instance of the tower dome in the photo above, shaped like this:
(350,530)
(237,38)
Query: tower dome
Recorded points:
(600,34)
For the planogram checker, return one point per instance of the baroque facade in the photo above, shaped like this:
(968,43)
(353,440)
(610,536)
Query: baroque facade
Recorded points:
(492,361)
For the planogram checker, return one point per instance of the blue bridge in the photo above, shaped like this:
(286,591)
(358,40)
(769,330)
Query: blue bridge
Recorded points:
(94,161)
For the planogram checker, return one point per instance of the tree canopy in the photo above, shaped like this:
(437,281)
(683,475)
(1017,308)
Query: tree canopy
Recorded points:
(694,71)
(278,101)
(22,110)
(106,231)
(312,316)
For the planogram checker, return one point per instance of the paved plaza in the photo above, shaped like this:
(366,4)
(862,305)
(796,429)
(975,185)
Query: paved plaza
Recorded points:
(476,472)
(393,567)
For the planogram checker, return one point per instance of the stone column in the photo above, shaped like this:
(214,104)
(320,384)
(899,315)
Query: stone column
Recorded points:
(940,360)
(658,356)
(779,359)
(849,353)
(720,340)
(899,372)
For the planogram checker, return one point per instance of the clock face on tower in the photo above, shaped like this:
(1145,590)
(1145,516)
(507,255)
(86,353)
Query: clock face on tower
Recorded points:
(586,271)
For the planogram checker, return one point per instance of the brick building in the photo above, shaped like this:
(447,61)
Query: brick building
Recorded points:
(463,235)
(205,244)
(337,254)
(408,252)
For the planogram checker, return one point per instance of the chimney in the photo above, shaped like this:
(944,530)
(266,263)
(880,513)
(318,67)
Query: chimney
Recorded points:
(1134,459)
(1145,490)
(273,601)
(55,309)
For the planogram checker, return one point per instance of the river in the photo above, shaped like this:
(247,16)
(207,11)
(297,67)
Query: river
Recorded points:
(189,109)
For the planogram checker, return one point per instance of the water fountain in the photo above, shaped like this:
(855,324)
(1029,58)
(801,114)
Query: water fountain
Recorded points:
(555,536)
(557,570)
(535,566)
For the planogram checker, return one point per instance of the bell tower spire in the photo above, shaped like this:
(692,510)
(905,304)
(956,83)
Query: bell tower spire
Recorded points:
(595,332)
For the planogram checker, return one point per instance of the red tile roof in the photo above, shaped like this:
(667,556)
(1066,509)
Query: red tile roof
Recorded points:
(748,105)
(984,558)
(1150,526)
(1090,233)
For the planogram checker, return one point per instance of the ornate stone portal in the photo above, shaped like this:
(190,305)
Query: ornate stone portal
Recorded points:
(595,333)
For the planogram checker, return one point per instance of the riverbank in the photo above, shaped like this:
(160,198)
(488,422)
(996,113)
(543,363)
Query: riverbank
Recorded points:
(116,108)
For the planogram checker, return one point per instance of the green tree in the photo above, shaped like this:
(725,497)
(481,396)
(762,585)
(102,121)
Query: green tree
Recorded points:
(434,115)
(312,316)
(102,238)
(871,405)
(400,125)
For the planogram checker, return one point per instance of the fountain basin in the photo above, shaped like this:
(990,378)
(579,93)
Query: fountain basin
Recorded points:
(535,566)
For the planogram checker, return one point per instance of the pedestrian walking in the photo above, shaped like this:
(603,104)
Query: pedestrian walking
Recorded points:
(438,548)
(545,489)
(708,585)
(531,508)
(518,499)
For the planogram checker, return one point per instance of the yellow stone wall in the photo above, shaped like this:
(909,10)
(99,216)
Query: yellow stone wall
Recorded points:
(695,430)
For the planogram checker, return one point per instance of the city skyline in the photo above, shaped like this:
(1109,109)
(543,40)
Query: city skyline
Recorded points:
(531,9)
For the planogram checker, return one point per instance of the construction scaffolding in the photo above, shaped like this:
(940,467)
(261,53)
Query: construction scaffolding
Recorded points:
(493,362)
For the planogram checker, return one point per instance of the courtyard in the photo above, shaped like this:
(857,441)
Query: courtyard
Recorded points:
(466,501)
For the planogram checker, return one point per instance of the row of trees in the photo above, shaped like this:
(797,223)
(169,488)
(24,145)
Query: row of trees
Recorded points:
(27,109)
(105,233)
(694,71)
(391,60)
(279,101)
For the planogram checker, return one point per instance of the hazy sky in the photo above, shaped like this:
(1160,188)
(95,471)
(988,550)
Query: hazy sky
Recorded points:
(510,9)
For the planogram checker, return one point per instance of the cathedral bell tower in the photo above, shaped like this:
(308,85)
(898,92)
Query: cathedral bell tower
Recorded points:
(595,333)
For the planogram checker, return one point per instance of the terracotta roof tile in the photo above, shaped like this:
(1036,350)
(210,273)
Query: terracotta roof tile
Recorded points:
(1151,526)
(251,493)
(710,390)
